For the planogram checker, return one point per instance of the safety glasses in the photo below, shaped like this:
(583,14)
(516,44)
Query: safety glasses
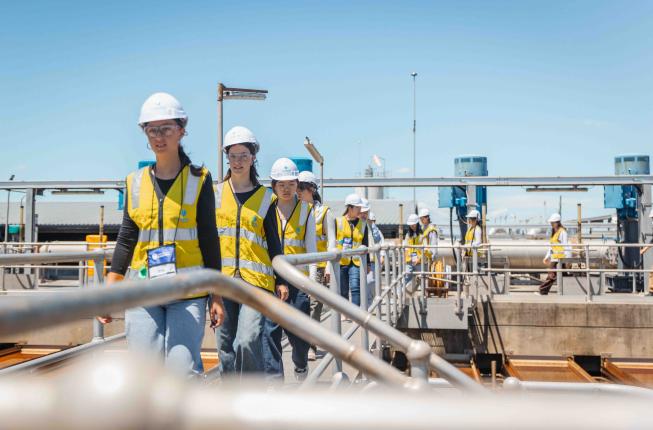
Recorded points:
(162,130)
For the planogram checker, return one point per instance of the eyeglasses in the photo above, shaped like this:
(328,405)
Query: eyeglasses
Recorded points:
(162,130)
(234,158)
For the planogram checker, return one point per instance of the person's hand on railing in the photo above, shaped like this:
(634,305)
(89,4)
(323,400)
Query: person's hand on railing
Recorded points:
(111,278)
(216,311)
(327,278)
(282,292)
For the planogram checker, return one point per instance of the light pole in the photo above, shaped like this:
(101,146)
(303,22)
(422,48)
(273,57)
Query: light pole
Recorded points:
(414,75)
(225,93)
(318,159)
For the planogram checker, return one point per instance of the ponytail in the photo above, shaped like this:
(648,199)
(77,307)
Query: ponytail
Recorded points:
(317,197)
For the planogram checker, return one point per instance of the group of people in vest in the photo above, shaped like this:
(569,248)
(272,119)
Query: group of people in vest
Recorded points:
(421,231)
(175,221)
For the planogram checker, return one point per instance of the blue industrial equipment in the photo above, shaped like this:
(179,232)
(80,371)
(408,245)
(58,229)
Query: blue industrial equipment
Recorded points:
(626,199)
(456,197)
(303,163)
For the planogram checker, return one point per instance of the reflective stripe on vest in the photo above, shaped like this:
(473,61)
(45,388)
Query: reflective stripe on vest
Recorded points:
(249,265)
(243,246)
(344,230)
(178,212)
(169,235)
(469,240)
(425,239)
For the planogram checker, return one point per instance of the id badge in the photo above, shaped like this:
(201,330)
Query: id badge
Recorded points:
(346,243)
(162,261)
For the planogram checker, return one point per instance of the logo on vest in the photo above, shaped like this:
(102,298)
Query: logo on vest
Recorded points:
(254,221)
(183,215)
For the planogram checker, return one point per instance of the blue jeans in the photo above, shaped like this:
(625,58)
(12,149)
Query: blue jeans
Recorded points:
(272,344)
(171,332)
(350,280)
(240,338)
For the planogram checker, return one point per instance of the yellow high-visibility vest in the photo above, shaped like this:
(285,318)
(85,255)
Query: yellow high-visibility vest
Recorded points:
(469,240)
(170,220)
(344,233)
(321,230)
(243,245)
(557,252)
(425,239)
(293,234)
(413,252)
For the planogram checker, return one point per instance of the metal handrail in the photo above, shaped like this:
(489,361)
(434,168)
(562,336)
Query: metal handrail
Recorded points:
(50,359)
(33,314)
(284,265)
(55,257)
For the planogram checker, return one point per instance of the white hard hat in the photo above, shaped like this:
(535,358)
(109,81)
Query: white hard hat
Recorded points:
(284,170)
(365,204)
(239,134)
(413,219)
(307,176)
(424,212)
(353,200)
(160,106)
(371,216)
(473,214)
(555,218)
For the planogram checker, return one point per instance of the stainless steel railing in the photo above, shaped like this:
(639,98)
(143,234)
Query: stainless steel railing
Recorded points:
(418,352)
(49,311)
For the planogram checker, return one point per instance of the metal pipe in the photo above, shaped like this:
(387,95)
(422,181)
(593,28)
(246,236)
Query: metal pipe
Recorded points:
(365,336)
(283,265)
(47,360)
(418,354)
(334,286)
(49,311)
(149,398)
(514,384)
(388,308)
(55,257)
(98,280)
(220,177)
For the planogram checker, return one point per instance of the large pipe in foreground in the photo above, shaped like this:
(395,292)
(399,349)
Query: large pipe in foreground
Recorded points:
(121,394)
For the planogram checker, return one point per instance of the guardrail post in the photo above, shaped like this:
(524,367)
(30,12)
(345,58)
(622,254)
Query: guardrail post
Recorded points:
(98,280)
(394,293)
(422,308)
(334,285)
(377,283)
(587,267)
(490,281)
(388,282)
(475,269)
(559,276)
(459,270)
(365,335)
(403,283)
(418,354)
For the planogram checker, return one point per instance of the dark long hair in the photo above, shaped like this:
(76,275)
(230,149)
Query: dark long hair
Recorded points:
(253,174)
(559,227)
(316,194)
(417,231)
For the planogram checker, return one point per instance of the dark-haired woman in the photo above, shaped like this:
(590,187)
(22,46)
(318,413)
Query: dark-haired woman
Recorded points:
(168,228)
(249,240)
(413,256)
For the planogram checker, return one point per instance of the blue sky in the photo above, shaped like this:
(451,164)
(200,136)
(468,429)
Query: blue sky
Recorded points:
(541,88)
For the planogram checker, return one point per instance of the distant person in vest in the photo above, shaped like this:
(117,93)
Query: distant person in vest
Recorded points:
(429,234)
(365,216)
(168,227)
(351,233)
(325,227)
(557,250)
(414,238)
(249,240)
(474,235)
(296,225)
